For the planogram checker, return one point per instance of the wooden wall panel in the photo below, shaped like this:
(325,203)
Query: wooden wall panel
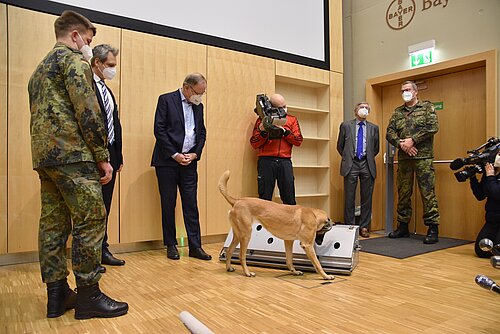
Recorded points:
(336,117)
(151,65)
(112,36)
(3,128)
(30,33)
(336,108)
(234,80)
(336,38)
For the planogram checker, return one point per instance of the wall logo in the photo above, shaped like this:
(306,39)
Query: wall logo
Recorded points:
(400,13)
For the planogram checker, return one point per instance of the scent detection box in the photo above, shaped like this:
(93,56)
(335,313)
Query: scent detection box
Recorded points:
(338,253)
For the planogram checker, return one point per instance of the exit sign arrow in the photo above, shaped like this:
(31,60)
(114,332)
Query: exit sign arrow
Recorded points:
(421,58)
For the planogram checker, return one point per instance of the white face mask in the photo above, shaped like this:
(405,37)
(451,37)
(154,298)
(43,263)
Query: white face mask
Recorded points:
(109,73)
(363,112)
(196,99)
(86,50)
(407,96)
(497,161)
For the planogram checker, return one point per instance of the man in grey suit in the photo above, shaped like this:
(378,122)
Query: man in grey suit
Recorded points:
(358,144)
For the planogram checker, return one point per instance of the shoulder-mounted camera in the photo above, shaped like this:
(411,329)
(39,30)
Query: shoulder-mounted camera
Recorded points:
(272,118)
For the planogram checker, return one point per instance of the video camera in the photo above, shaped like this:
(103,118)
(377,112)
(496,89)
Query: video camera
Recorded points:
(476,160)
(272,118)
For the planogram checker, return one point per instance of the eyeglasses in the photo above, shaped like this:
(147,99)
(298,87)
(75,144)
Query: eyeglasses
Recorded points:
(196,91)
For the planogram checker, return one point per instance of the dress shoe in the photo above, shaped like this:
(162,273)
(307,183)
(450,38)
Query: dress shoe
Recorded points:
(92,303)
(199,253)
(110,260)
(59,298)
(401,232)
(173,253)
(101,269)
(364,232)
(432,235)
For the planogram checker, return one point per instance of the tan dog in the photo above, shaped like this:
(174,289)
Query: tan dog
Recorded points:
(287,222)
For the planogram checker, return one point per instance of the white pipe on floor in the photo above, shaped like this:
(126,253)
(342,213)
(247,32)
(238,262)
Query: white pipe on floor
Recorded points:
(193,325)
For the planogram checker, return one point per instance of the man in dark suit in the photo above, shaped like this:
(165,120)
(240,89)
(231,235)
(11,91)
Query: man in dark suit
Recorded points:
(358,144)
(180,137)
(104,68)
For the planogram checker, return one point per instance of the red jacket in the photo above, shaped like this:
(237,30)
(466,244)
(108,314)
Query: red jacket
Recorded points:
(282,147)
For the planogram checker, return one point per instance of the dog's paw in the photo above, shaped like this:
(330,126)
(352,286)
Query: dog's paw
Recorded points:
(250,274)
(230,269)
(297,273)
(329,277)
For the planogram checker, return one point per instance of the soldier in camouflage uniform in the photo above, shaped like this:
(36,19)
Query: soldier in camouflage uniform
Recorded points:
(412,128)
(68,145)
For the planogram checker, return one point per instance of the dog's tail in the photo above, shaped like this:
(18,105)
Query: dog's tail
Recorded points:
(223,187)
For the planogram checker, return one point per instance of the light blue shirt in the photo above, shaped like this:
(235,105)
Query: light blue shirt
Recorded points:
(190,136)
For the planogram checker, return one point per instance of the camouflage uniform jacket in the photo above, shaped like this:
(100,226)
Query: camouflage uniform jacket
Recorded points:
(66,121)
(419,123)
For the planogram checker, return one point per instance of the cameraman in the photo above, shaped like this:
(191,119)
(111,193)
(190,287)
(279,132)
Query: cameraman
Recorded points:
(489,188)
(274,162)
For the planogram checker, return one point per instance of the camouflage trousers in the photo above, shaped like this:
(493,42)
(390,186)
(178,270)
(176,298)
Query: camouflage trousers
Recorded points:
(71,203)
(424,171)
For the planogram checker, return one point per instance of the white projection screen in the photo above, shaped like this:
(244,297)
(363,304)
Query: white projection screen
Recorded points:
(290,30)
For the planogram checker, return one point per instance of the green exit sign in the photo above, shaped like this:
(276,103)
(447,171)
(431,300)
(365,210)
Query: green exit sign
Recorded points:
(421,58)
(438,105)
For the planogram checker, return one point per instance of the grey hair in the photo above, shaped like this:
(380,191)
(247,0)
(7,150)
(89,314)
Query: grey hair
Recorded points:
(101,52)
(360,103)
(413,85)
(193,79)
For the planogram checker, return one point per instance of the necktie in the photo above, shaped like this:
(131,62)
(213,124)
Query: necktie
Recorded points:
(359,146)
(109,113)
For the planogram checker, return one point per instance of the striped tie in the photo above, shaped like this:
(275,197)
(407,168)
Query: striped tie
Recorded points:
(109,113)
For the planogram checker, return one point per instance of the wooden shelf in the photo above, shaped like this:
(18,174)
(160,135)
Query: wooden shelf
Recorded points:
(301,82)
(297,109)
(307,92)
(311,195)
(317,138)
(311,166)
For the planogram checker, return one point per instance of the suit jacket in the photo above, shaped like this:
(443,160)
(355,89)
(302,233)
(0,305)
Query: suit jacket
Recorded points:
(169,129)
(346,146)
(115,162)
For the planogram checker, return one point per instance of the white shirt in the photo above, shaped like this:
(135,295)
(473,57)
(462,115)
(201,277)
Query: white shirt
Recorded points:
(99,86)
(190,136)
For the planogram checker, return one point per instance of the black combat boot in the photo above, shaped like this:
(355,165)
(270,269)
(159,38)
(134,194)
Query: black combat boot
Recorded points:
(92,303)
(59,298)
(401,232)
(432,234)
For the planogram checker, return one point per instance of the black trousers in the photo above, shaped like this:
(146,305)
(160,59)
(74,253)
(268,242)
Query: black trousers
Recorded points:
(359,171)
(186,179)
(107,191)
(490,230)
(272,169)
